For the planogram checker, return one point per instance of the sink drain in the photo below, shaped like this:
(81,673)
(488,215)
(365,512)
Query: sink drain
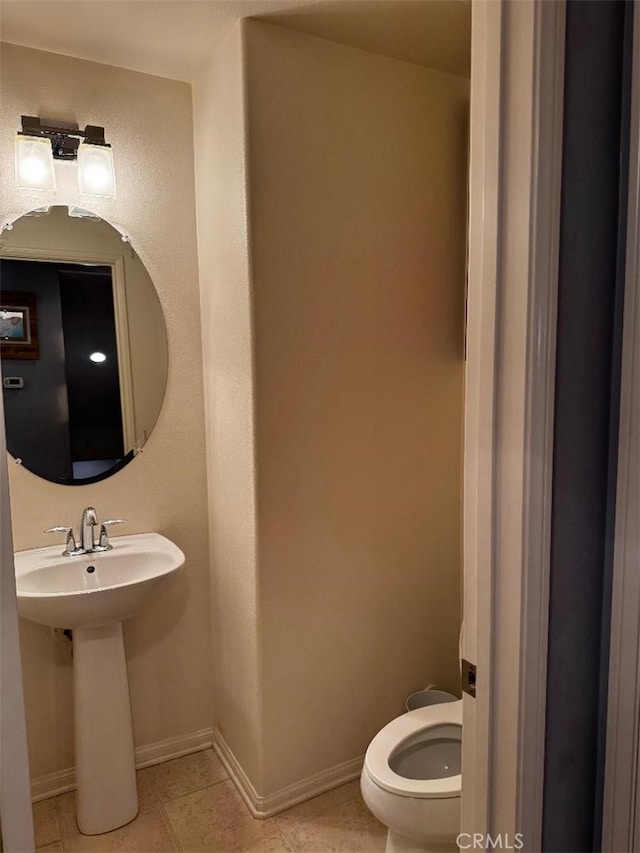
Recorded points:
(91,569)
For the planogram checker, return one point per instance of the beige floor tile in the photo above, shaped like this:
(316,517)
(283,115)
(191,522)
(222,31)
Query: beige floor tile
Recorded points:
(148,833)
(45,822)
(182,775)
(343,794)
(216,819)
(66,805)
(148,797)
(345,828)
(56,847)
(273,844)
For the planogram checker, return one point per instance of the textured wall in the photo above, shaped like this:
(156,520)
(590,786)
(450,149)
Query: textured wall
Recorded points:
(148,121)
(331,221)
(223,241)
(357,170)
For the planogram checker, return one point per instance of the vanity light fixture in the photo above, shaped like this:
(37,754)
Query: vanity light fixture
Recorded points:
(38,144)
(80,213)
(96,172)
(39,211)
(34,165)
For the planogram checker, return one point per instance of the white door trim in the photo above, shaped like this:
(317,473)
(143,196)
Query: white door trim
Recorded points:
(484,170)
(539,412)
(621,818)
(516,157)
(16,823)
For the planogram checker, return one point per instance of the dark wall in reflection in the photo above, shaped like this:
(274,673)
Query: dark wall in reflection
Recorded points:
(66,422)
(93,390)
(37,416)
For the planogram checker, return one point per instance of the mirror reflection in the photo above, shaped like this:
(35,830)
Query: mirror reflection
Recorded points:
(83,346)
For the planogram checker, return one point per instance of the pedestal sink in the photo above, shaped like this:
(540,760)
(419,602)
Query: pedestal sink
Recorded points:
(92,594)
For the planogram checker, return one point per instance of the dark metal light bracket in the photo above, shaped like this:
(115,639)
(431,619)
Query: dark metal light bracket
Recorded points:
(64,138)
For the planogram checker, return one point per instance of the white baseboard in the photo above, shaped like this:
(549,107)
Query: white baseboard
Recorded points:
(51,784)
(173,747)
(291,795)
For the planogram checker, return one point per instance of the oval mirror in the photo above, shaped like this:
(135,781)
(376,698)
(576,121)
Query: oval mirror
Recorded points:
(83,346)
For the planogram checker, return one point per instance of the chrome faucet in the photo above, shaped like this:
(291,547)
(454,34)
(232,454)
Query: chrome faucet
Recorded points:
(86,542)
(88,521)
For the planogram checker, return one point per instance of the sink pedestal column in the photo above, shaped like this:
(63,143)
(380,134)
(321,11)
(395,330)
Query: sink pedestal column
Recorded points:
(106,796)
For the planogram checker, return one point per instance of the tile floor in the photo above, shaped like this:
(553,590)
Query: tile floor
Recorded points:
(189,805)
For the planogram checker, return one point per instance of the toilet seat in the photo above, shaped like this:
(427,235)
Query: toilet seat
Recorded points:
(390,739)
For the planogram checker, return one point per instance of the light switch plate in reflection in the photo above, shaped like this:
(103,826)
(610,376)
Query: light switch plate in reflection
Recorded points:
(13,382)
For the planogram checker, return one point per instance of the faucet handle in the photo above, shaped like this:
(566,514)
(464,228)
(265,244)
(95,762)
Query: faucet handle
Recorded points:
(71,546)
(103,541)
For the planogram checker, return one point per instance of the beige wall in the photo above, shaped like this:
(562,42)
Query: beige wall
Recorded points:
(223,242)
(148,122)
(358,203)
(332,354)
(335,446)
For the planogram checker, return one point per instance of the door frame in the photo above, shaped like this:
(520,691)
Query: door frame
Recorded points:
(621,813)
(16,820)
(515,159)
(517,97)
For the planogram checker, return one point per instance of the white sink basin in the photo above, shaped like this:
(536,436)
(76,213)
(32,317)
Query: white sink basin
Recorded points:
(95,589)
(92,594)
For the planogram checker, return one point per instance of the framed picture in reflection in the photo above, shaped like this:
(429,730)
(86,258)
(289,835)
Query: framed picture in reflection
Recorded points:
(18,325)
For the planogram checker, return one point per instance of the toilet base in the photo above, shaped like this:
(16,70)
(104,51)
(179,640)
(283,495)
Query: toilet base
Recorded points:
(397,843)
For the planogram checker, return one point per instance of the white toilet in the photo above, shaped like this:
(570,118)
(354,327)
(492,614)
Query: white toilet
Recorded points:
(411,779)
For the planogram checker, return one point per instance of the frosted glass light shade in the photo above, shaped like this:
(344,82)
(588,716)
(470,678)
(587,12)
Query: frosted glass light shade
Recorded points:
(34,165)
(96,172)
(80,213)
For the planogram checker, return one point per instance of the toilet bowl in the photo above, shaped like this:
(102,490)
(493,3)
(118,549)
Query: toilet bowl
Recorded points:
(411,779)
